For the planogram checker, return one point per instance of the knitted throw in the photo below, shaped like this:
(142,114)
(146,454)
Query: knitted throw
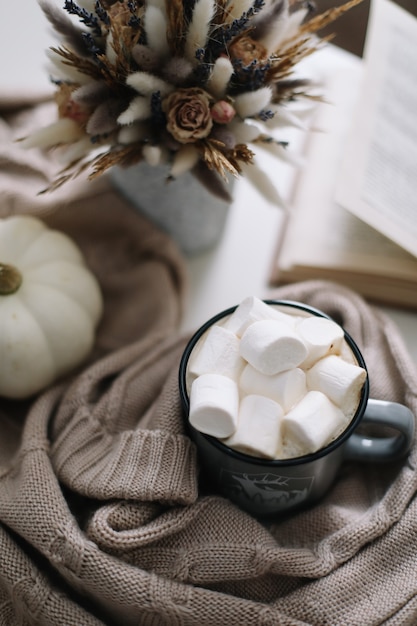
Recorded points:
(102,516)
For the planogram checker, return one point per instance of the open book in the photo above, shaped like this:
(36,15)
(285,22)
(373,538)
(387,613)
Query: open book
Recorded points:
(353,213)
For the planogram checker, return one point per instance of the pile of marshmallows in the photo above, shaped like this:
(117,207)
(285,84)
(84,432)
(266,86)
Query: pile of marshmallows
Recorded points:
(271,384)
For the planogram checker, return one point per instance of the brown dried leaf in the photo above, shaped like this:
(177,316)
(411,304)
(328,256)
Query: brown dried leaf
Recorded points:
(318,22)
(85,66)
(124,157)
(242,153)
(176,27)
(124,38)
(77,169)
(215,159)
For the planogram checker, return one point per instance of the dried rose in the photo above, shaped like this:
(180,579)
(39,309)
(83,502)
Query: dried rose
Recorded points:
(188,114)
(222,112)
(247,50)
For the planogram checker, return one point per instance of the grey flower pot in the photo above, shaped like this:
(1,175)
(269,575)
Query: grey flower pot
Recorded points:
(183,207)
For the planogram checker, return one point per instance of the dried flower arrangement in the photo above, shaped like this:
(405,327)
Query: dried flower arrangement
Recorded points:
(191,83)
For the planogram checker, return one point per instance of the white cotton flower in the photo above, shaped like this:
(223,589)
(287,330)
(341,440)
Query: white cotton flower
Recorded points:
(156,29)
(184,160)
(251,103)
(76,150)
(62,131)
(198,29)
(276,31)
(220,77)
(132,133)
(286,27)
(244,132)
(138,109)
(263,183)
(146,84)
(284,118)
(276,149)
(152,155)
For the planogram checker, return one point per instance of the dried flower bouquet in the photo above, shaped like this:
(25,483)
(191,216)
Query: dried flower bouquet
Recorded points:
(192,83)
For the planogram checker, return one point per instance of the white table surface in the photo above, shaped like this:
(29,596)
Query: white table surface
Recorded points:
(240,264)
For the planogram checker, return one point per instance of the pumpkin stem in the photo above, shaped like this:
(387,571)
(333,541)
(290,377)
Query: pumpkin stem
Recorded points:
(10,279)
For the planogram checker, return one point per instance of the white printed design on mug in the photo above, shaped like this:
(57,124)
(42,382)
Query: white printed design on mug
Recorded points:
(266,488)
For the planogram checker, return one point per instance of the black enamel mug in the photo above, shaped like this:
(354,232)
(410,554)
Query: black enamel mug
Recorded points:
(266,487)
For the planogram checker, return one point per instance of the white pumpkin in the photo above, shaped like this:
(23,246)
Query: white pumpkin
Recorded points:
(50,305)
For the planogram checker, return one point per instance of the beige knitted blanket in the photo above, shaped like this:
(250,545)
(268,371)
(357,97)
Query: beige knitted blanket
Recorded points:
(102,520)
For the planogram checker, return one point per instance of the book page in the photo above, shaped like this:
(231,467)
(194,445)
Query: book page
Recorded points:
(378,177)
(320,234)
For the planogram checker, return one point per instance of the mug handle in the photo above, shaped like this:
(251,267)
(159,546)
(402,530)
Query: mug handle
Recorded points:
(393,414)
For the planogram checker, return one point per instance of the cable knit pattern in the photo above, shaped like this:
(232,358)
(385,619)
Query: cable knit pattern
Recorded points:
(104,518)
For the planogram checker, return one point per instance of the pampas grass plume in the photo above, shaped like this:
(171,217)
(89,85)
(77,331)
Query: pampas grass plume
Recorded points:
(198,30)
(152,155)
(244,132)
(91,93)
(156,29)
(285,28)
(62,131)
(147,84)
(146,58)
(184,160)
(104,118)
(225,135)
(76,151)
(278,150)
(139,109)
(220,76)
(178,70)
(263,183)
(250,103)
(132,133)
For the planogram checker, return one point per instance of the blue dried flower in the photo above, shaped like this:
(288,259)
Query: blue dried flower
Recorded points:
(89,19)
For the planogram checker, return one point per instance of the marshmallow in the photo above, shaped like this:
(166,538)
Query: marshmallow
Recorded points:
(272,384)
(321,337)
(346,353)
(214,405)
(312,424)
(218,354)
(272,346)
(286,388)
(342,382)
(259,429)
(252,309)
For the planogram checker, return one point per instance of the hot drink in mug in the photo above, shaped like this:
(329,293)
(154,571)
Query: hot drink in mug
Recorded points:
(273,392)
